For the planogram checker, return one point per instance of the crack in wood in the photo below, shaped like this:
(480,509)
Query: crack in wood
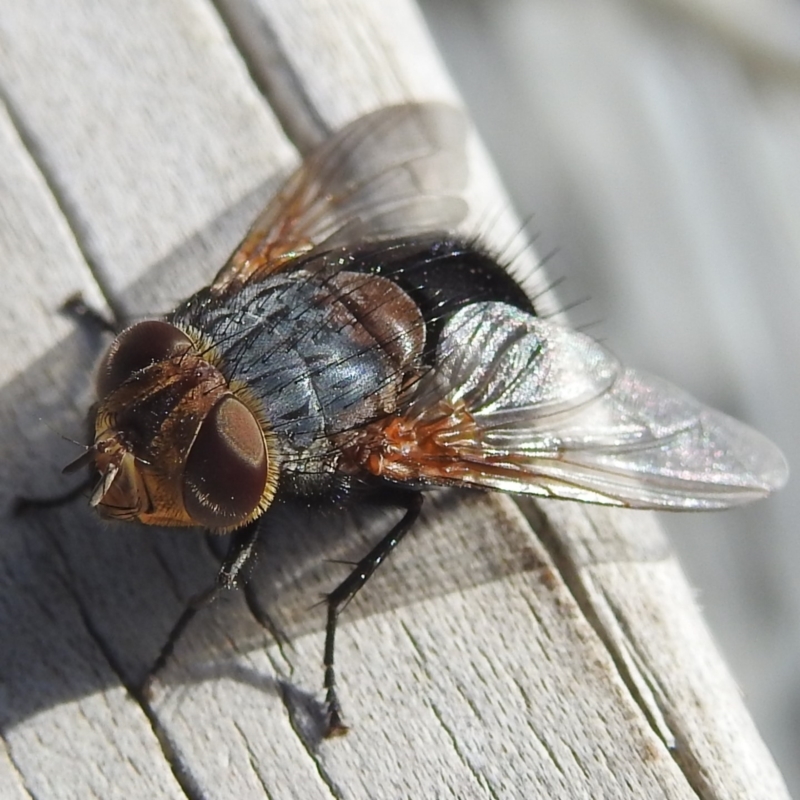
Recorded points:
(178,769)
(60,197)
(288,697)
(273,73)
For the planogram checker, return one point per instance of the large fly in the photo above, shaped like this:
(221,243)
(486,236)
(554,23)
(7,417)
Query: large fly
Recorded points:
(354,345)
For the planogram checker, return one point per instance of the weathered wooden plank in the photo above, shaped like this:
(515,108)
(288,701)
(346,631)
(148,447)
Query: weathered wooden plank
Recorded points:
(141,115)
(70,77)
(674,217)
(50,723)
(528,681)
(643,608)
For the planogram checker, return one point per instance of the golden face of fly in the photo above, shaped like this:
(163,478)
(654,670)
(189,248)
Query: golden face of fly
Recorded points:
(174,443)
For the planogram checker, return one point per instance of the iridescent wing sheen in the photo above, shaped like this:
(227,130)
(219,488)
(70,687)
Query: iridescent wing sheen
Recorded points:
(519,404)
(396,171)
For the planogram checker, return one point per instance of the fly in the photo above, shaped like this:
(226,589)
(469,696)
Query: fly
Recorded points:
(354,346)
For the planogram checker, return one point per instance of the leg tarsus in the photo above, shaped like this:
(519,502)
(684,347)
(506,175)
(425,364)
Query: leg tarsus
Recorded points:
(21,505)
(198,601)
(78,308)
(346,591)
(240,550)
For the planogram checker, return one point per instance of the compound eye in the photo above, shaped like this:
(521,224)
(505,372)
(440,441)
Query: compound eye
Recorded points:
(226,471)
(136,348)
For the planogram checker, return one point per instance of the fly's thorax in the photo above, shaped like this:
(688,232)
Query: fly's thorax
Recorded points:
(320,352)
(175,442)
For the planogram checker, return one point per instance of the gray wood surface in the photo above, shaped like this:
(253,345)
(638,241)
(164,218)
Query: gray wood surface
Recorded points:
(510,651)
(655,146)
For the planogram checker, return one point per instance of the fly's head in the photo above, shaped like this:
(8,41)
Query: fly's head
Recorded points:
(175,443)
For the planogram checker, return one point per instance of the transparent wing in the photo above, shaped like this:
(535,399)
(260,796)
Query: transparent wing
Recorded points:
(396,171)
(520,404)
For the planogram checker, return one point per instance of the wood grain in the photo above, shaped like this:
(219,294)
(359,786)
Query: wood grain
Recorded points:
(512,650)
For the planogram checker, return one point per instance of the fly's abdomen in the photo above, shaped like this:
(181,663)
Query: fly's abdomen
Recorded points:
(440,272)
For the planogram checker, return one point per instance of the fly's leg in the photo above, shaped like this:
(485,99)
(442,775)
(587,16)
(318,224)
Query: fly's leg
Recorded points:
(78,308)
(24,504)
(91,319)
(346,591)
(239,552)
